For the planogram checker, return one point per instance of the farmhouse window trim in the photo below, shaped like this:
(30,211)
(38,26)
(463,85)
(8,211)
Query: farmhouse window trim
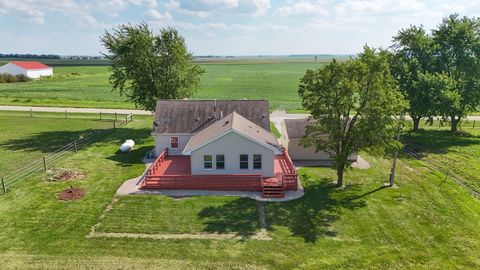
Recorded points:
(220,162)
(257,161)
(207,162)
(174,142)
(244,161)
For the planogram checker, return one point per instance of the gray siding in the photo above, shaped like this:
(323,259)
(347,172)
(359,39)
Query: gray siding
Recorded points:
(162,141)
(232,145)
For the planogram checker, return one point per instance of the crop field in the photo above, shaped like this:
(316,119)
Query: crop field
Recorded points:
(88,86)
(427,221)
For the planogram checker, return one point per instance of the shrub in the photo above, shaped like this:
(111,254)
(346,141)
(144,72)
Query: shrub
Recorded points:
(9,78)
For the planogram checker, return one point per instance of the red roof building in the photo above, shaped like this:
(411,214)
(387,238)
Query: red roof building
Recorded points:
(31,69)
(30,64)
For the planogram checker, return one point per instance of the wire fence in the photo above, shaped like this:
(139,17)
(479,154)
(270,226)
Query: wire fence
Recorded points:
(43,164)
(432,165)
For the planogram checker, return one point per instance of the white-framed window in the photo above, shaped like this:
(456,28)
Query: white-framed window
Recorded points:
(243,161)
(257,161)
(207,162)
(220,162)
(174,142)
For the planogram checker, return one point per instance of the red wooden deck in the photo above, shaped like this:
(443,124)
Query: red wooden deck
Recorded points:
(174,172)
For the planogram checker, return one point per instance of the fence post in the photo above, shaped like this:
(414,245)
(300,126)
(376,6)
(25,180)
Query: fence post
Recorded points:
(65,114)
(126,119)
(131,117)
(75,145)
(45,163)
(114,125)
(4,187)
(31,114)
(116,118)
(473,123)
(100,115)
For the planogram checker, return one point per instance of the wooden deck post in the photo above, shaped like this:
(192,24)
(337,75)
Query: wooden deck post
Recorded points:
(45,163)
(3,186)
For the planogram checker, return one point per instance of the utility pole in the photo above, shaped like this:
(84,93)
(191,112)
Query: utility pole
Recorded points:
(395,155)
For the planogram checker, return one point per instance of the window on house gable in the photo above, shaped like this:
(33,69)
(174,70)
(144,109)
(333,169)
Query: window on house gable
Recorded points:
(257,161)
(174,142)
(243,161)
(220,162)
(207,162)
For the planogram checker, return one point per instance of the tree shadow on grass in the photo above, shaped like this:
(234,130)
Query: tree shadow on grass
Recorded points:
(309,217)
(312,216)
(438,141)
(239,216)
(51,141)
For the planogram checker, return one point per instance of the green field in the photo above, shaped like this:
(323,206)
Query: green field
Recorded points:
(23,138)
(456,154)
(87,86)
(427,222)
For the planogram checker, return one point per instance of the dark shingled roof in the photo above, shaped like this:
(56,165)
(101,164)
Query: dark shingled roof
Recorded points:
(191,116)
(296,127)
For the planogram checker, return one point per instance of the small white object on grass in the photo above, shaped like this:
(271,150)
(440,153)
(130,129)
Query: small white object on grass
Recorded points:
(127,146)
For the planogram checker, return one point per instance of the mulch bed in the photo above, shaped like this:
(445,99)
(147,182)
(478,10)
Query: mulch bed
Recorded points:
(65,175)
(71,194)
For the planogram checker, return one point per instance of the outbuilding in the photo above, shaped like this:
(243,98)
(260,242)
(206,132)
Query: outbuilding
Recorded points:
(31,69)
(293,131)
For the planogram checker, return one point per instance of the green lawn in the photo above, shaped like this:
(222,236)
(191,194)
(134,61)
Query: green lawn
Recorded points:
(87,86)
(455,153)
(23,139)
(428,222)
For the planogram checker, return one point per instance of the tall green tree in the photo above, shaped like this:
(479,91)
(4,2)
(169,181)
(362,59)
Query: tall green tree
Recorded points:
(146,67)
(353,104)
(458,56)
(412,58)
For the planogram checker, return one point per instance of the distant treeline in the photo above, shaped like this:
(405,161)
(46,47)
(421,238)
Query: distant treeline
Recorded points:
(29,56)
(62,61)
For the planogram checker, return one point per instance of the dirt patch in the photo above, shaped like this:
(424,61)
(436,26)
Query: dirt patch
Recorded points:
(65,175)
(71,194)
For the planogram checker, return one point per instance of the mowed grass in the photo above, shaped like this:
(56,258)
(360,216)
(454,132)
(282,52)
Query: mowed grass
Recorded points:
(428,222)
(24,139)
(88,86)
(457,154)
(164,215)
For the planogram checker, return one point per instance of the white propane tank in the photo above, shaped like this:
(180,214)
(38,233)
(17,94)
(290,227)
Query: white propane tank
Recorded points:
(127,146)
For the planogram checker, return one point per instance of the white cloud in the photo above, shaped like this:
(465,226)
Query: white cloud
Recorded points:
(159,17)
(378,6)
(303,8)
(205,8)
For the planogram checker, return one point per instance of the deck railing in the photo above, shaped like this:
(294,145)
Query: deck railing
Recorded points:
(289,177)
(157,163)
(246,182)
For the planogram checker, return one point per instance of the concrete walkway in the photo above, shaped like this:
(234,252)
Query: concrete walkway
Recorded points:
(73,110)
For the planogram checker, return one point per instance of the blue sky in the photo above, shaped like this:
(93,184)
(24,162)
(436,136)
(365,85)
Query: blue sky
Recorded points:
(221,27)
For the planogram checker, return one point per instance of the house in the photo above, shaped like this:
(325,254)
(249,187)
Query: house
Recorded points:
(293,131)
(218,145)
(31,69)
